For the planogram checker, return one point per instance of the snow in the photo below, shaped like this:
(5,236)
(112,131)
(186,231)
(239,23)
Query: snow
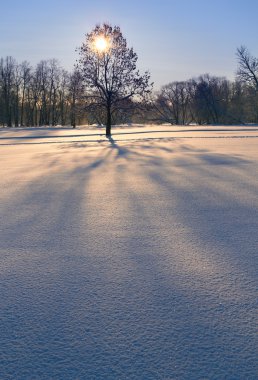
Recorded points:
(129,258)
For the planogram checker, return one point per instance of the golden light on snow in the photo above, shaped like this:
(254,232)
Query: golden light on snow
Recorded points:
(101,44)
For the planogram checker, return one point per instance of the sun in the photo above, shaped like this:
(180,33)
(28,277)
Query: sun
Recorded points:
(101,44)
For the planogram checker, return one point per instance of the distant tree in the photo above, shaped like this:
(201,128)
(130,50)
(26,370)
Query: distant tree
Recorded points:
(17,80)
(173,103)
(210,99)
(55,72)
(25,72)
(109,71)
(63,97)
(75,91)
(238,106)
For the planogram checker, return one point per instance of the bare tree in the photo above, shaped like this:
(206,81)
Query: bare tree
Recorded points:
(173,103)
(75,91)
(25,72)
(7,75)
(248,67)
(211,97)
(248,74)
(54,84)
(109,71)
(63,96)
(17,80)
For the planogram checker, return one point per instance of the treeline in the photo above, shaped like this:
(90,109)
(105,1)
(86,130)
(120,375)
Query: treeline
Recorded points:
(49,95)
(210,99)
(207,100)
(44,95)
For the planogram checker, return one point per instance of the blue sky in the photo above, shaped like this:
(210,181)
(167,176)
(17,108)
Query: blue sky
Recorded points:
(174,39)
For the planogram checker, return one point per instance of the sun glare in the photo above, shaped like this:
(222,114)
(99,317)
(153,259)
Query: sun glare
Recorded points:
(101,44)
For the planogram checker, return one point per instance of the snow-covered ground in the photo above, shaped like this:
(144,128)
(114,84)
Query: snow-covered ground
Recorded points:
(129,258)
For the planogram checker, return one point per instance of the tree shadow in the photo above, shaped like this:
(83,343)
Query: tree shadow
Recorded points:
(121,152)
(130,257)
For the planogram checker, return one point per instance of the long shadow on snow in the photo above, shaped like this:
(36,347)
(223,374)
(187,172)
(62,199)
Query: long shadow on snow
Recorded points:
(127,297)
(191,317)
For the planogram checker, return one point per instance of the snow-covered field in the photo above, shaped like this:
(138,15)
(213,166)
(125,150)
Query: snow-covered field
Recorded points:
(129,258)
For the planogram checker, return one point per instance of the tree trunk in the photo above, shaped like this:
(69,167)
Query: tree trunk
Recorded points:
(73,114)
(108,126)
(22,107)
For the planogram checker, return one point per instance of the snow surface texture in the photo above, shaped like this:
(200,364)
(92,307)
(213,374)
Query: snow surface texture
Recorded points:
(129,258)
